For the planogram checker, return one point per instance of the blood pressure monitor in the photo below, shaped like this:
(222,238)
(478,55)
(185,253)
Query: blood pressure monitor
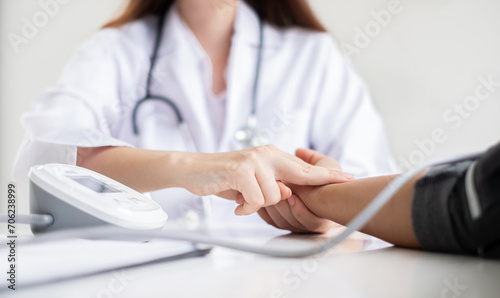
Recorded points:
(78,197)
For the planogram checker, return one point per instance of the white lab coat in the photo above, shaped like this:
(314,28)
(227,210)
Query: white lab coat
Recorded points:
(309,97)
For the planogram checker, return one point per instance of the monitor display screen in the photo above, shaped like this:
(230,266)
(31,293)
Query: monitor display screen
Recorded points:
(94,184)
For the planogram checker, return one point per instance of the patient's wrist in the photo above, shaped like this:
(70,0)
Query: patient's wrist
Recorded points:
(320,200)
(326,201)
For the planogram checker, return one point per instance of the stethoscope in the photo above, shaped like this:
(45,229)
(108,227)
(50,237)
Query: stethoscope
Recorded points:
(248,136)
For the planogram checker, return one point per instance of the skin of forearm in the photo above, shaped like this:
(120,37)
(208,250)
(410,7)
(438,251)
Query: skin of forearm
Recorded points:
(142,170)
(342,202)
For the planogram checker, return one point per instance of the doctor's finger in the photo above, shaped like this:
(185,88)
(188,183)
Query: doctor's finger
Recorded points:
(285,191)
(254,199)
(302,173)
(240,200)
(269,187)
(291,168)
(246,209)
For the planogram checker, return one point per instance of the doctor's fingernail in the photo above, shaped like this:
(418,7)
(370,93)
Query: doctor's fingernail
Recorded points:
(291,200)
(349,176)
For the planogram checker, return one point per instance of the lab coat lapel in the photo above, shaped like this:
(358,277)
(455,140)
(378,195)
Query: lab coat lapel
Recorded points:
(183,66)
(242,70)
(239,94)
(190,80)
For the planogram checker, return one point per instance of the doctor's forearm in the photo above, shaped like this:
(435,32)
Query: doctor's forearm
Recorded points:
(342,202)
(140,169)
(252,175)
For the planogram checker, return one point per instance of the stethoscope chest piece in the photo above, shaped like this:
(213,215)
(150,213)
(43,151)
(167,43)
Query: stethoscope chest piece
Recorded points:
(250,136)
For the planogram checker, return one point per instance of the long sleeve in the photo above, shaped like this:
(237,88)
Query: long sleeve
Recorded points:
(80,111)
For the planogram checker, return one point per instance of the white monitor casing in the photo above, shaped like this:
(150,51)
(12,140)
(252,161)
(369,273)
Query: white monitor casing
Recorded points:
(76,197)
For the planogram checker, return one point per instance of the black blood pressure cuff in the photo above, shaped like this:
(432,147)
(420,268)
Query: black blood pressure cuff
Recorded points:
(456,208)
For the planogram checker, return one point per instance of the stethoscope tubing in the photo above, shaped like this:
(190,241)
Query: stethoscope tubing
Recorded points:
(180,119)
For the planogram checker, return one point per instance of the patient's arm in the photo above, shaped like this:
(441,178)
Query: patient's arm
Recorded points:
(341,202)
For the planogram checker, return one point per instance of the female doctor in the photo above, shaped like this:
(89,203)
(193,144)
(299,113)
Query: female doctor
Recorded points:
(221,78)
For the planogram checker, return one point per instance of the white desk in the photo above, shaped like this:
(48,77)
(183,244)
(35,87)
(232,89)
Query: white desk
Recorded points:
(360,267)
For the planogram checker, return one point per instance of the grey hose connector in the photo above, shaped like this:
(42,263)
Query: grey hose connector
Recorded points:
(39,220)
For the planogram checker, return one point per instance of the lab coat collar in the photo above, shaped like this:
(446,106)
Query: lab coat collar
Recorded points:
(181,56)
(184,32)
(174,37)
(246,28)
(246,31)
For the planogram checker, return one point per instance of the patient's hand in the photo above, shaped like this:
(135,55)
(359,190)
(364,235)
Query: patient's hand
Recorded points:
(292,214)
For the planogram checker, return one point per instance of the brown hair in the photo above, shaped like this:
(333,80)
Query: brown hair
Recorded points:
(279,13)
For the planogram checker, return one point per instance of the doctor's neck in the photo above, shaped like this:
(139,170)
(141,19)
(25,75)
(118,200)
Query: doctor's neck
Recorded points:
(207,17)
(212,23)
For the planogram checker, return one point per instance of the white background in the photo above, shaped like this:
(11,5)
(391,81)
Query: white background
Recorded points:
(425,60)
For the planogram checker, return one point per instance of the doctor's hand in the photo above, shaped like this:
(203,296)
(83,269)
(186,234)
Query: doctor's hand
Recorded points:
(256,177)
(293,214)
